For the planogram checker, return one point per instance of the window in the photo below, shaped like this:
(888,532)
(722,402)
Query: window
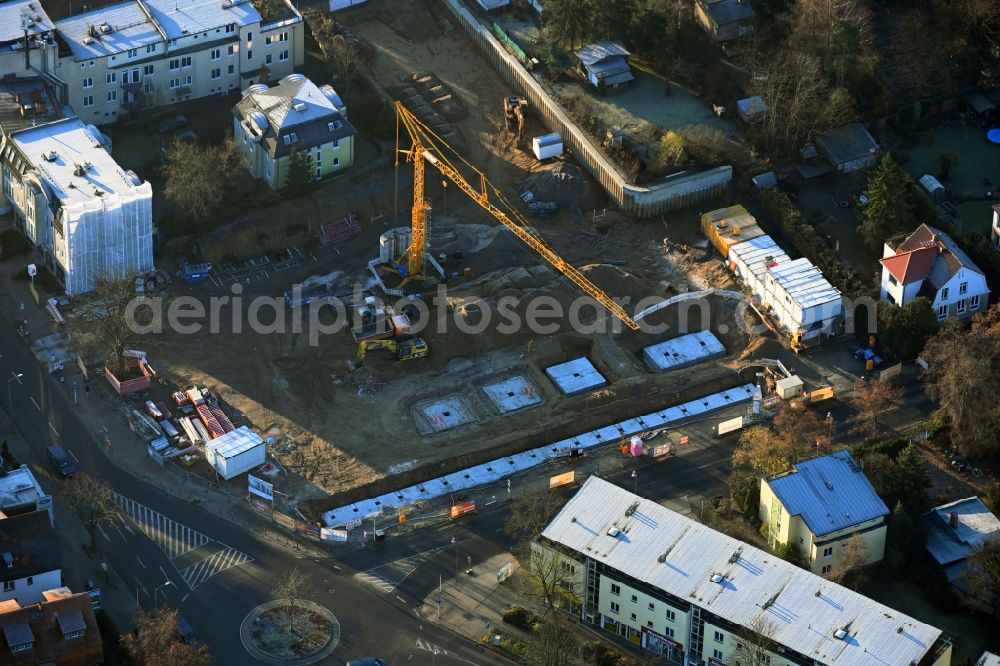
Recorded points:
(112,95)
(186,62)
(8,585)
(336,161)
(283,56)
(616,589)
(634,598)
(652,606)
(283,37)
(975,302)
(826,569)
(892,280)
(88,82)
(615,607)
(944,294)
(649,623)
(135,75)
(133,53)
(564,565)
(249,54)
(249,37)
(175,64)
(671,616)
(113,58)
(719,637)
(828,552)
(668,632)
(91,63)
(31,580)
(216,54)
(231,50)
(230,28)
(267,59)
(889,297)
(74,634)
(963,287)
(632,617)
(88,101)
(112,77)
(716,654)
(336,144)
(267,41)
(148,70)
(943,312)
(216,73)
(151,48)
(21,647)
(232,69)
(961,305)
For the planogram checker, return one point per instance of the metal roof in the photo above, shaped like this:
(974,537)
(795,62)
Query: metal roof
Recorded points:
(235,442)
(988,659)
(683,351)
(976,523)
(847,143)
(724,12)
(803,609)
(71,621)
(11,27)
(575,376)
(18,633)
(592,54)
(751,106)
(830,493)
(803,282)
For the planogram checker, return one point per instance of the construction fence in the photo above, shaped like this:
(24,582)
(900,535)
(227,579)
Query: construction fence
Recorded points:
(684,189)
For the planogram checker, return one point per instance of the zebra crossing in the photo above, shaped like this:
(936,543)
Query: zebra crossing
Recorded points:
(177,540)
(394,573)
(377,581)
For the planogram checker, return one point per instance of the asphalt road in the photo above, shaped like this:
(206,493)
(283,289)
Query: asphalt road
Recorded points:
(218,572)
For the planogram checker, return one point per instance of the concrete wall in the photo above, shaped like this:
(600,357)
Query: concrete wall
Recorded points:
(685,190)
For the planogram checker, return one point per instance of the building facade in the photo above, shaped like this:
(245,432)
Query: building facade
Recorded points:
(679,589)
(89,217)
(118,60)
(819,505)
(272,124)
(929,263)
(29,557)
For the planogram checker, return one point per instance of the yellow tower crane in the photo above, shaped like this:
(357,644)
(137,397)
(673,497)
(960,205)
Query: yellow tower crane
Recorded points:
(428,147)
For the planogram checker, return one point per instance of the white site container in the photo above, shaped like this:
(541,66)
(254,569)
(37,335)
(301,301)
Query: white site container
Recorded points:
(789,387)
(750,261)
(236,452)
(547,146)
(802,299)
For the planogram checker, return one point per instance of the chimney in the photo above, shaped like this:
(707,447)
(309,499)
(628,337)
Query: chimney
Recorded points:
(953,520)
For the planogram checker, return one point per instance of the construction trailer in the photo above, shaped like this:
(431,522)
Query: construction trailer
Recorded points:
(727,227)
(750,261)
(236,452)
(547,146)
(802,301)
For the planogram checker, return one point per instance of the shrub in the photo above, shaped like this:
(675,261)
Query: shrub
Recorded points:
(521,618)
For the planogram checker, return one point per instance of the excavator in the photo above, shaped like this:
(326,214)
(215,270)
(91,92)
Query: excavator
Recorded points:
(428,148)
(405,350)
(513,111)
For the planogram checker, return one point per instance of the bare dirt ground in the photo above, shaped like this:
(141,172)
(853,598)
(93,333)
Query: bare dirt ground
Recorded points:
(338,426)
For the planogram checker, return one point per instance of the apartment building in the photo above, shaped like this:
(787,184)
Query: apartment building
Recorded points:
(679,589)
(88,216)
(270,124)
(929,263)
(123,58)
(59,630)
(27,37)
(819,505)
(29,557)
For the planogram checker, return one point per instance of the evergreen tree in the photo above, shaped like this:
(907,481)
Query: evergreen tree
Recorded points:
(299,175)
(904,537)
(889,209)
(907,483)
(907,329)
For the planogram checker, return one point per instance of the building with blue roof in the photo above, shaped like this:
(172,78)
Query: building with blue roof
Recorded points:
(818,505)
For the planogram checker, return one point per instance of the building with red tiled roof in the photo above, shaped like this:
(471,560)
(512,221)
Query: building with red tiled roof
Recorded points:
(929,263)
(61,630)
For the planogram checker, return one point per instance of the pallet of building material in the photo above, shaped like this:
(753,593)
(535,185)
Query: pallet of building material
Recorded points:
(450,109)
(342,230)
(406,92)
(424,80)
(220,416)
(188,427)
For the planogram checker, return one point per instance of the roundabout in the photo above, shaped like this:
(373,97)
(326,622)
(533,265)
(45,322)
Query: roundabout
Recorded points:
(294,634)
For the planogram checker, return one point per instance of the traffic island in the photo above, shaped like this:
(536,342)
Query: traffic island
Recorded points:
(292,634)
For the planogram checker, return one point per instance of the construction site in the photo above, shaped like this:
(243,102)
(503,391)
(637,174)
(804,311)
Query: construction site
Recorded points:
(473,206)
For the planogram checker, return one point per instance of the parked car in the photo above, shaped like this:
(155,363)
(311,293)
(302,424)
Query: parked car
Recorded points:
(367,661)
(172,123)
(188,637)
(60,462)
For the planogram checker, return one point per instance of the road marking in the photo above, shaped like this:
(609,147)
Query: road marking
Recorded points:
(184,598)
(140,562)
(176,539)
(166,576)
(103,533)
(141,586)
(401,599)
(440,652)
(69,452)
(377,581)
(57,433)
(32,398)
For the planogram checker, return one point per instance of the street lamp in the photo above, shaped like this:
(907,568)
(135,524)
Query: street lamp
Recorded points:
(168,583)
(635,487)
(10,397)
(829,435)
(455,541)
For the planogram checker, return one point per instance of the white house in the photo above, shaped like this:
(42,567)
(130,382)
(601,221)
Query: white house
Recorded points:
(29,557)
(270,124)
(88,216)
(20,492)
(139,54)
(928,263)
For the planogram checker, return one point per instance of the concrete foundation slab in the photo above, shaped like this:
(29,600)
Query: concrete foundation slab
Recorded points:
(445,413)
(683,352)
(513,393)
(576,376)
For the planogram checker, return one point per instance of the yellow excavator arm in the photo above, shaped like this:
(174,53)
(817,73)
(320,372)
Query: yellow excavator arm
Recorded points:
(365,345)
(424,148)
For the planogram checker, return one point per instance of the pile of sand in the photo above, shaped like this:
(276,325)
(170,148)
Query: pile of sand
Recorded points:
(564,184)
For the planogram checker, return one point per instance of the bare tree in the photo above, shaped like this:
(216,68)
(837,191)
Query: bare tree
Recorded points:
(756,644)
(849,562)
(552,577)
(530,513)
(801,429)
(291,586)
(982,576)
(554,644)
(871,399)
(198,177)
(269,9)
(108,328)
(91,500)
(345,58)
(761,451)
(157,641)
